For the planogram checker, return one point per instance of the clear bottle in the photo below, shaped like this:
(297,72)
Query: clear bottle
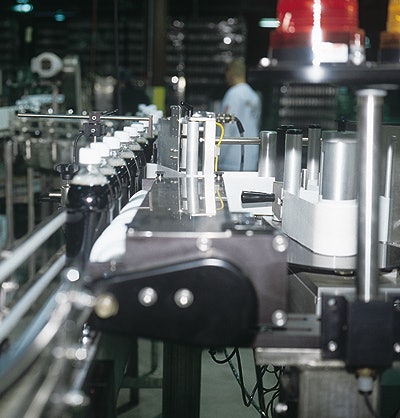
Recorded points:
(130,159)
(87,204)
(109,171)
(120,167)
(143,139)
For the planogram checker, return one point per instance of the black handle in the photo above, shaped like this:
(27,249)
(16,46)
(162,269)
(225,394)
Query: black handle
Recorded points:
(257,197)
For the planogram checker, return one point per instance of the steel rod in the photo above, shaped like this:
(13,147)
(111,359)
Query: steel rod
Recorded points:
(8,188)
(84,117)
(30,297)
(240,141)
(267,154)
(370,104)
(30,244)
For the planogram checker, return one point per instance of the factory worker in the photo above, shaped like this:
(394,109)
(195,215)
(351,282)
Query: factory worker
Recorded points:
(243,102)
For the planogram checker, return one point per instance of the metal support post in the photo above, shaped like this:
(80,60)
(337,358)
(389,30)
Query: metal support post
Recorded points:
(370,104)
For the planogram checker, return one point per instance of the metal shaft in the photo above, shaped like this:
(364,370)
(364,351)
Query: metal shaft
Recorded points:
(267,154)
(192,151)
(313,153)
(84,117)
(292,167)
(370,103)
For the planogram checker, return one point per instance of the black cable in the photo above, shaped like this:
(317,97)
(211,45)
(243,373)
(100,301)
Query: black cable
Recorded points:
(241,131)
(369,405)
(248,397)
(270,406)
(239,126)
(239,379)
(212,353)
(75,148)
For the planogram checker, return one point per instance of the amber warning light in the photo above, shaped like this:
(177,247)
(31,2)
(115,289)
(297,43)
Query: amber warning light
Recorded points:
(389,48)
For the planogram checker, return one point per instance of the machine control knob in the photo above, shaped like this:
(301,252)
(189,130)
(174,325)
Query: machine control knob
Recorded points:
(257,197)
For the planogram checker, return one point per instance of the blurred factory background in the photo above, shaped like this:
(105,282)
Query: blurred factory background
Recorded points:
(159,43)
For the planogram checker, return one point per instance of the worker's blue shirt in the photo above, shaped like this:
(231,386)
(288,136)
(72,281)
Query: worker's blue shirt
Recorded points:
(243,102)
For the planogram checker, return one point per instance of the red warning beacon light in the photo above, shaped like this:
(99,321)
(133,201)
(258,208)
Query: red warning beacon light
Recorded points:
(318,31)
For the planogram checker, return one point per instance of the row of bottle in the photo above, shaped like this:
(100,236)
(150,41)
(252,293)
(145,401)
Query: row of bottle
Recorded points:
(110,172)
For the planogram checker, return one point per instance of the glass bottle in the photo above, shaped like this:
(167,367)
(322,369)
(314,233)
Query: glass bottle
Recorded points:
(120,167)
(87,205)
(109,171)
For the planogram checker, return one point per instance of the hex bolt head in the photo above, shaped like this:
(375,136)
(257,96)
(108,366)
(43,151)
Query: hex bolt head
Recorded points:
(183,298)
(279,318)
(147,296)
(203,244)
(72,274)
(332,346)
(281,408)
(331,302)
(280,243)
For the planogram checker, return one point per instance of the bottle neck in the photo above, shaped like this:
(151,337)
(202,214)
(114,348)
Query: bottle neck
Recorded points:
(89,175)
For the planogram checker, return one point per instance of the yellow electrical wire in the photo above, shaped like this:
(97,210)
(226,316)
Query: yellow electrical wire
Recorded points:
(222,205)
(219,144)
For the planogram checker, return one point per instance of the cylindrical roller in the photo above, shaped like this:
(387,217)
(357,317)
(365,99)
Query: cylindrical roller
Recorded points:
(280,151)
(339,165)
(267,155)
(293,151)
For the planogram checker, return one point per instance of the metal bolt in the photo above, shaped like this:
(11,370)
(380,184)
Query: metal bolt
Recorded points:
(279,318)
(9,286)
(280,243)
(106,306)
(332,346)
(203,244)
(72,275)
(396,305)
(281,408)
(219,176)
(75,398)
(396,348)
(159,175)
(332,302)
(147,296)
(183,298)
